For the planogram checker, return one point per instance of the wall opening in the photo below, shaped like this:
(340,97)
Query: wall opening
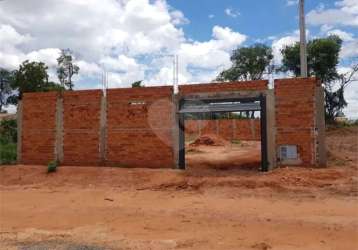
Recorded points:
(223,133)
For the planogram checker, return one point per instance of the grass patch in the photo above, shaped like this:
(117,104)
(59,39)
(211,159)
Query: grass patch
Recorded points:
(7,153)
(52,167)
(236,141)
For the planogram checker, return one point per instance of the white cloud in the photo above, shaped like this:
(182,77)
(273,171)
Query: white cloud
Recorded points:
(125,37)
(178,18)
(48,56)
(350,49)
(346,13)
(291,2)
(232,13)
(345,36)
(211,16)
(10,38)
(350,42)
(280,43)
(213,53)
(351,95)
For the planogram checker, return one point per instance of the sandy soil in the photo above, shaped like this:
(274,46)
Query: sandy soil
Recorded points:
(201,208)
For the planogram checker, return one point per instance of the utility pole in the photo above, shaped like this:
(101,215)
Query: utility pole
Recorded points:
(175,73)
(303,45)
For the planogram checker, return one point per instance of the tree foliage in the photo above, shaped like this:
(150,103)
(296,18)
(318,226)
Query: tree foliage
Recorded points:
(5,87)
(322,62)
(66,69)
(8,130)
(31,77)
(249,63)
(322,58)
(137,84)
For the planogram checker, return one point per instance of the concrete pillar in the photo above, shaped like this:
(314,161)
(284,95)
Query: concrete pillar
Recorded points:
(175,130)
(103,129)
(271,128)
(59,130)
(19,132)
(321,154)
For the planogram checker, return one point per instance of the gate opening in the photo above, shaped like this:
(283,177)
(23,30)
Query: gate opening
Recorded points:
(219,122)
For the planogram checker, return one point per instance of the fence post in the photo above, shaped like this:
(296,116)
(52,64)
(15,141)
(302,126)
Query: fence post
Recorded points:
(103,129)
(59,130)
(19,132)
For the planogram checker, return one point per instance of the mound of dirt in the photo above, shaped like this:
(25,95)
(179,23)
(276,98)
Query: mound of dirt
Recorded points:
(209,140)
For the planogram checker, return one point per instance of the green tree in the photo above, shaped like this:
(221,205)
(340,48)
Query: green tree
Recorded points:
(249,63)
(66,68)
(322,60)
(334,93)
(5,87)
(31,77)
(137,84)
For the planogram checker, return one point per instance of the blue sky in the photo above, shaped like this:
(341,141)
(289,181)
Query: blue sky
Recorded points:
(258,19)
(135,39)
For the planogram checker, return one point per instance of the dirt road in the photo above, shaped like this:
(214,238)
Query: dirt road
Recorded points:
(159,209)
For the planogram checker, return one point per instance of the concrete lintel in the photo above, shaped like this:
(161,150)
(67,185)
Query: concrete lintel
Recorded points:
(225,94)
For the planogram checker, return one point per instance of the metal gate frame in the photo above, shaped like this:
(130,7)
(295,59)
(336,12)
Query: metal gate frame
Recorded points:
(263,123)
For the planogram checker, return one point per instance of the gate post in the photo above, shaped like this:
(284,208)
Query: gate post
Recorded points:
(263,120)
(181,138)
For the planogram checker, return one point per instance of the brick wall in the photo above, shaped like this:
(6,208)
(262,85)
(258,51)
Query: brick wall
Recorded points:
(229,129)
(140,122)
(223,87)
(295,116)
(38,127)
(81,122)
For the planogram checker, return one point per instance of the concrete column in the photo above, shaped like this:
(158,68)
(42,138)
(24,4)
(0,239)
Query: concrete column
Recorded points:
(321,154)
(59,130)
(271,128)
(175,130)
(19,132)
(103,129)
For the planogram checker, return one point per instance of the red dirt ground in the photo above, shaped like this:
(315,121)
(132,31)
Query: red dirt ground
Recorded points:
(204,153)
(201,208)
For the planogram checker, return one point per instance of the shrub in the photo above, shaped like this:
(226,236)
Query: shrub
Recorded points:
(236,141)
(8,130)
(52,167)
(7,153)
(8,138)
